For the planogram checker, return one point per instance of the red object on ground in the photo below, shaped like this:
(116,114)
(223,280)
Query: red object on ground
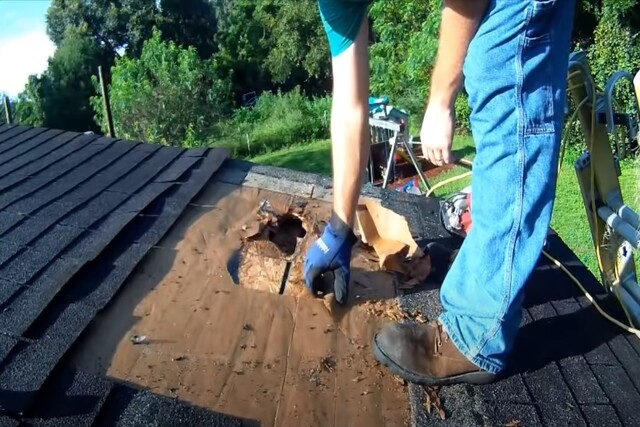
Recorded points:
(465,219)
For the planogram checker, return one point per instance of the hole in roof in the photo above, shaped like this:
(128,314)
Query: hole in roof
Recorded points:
(268,249)
(286,232)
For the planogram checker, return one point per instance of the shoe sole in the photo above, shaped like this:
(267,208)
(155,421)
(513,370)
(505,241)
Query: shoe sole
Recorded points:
(475,378)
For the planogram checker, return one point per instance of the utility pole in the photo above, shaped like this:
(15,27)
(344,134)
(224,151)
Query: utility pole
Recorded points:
(7,109)
(107,105)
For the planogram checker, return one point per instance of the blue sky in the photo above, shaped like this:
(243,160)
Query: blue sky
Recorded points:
(24,44)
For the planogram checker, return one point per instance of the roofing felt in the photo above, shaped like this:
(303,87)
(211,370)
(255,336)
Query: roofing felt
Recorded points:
(77,213)
(570,365)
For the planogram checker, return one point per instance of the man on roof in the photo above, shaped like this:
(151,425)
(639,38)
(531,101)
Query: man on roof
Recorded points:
(512,58)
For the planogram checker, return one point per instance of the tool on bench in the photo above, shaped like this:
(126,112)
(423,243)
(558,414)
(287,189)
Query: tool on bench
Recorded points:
(389,130)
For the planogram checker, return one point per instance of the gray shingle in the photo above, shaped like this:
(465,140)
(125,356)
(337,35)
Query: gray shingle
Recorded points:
(25,265)
(25,370)
(8,250)
(55,145)
(6,345)
(620,389)
(151,167)
(7,290)
(142,408)
(601,415)
(16,135)
(73,399)
(50,176)
(90,213)
(177,169)
(23,149)
(25,308)
(8,220)
(74,143)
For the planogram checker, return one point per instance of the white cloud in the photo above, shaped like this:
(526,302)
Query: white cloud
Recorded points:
(22,55)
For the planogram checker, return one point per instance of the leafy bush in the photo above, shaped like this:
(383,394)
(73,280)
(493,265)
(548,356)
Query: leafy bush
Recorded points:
(276,121)
(615,46)
(168,96)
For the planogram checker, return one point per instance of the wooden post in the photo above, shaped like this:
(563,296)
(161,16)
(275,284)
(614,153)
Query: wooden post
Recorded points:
(7,109)
(107,105)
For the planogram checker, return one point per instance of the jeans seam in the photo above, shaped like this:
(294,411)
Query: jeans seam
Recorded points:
(517,210)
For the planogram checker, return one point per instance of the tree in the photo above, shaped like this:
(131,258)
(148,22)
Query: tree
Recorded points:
(296,45)
(169,95)
(112,24)
(240,53)
(189,23)
(29,107)
(271,45)
(59,98)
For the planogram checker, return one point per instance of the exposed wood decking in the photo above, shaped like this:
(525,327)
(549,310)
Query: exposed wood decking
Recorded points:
(283,360)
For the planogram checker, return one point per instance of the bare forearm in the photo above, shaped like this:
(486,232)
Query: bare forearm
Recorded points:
(460,21)
(349,126)
(350,138)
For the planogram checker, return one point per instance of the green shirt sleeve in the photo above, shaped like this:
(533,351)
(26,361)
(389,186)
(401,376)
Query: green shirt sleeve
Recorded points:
(341,20)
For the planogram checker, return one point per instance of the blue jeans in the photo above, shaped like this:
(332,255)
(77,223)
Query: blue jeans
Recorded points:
(516,77)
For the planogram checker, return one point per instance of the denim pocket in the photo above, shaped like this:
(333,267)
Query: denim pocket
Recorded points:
(539,19)
(537,86)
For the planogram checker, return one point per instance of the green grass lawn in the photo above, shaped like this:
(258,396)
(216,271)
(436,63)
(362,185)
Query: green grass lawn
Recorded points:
(569,217)
(313,157)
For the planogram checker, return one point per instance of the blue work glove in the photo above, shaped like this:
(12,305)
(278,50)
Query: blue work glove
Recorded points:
(327,263)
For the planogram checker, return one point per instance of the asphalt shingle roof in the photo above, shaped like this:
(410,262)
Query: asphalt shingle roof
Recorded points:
(71,231)
(70,234)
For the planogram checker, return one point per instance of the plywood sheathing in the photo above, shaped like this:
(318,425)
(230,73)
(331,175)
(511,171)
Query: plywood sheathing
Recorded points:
(284,360)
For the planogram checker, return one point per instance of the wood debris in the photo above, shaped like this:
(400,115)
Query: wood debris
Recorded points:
(400,381)
(513,423)
(385,308)
(433,402)
(328,363)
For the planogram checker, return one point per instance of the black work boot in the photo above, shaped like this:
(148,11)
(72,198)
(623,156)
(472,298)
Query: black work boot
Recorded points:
(424,354)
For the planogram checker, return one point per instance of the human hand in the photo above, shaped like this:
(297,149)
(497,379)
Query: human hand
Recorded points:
(331,253)
(436,134)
